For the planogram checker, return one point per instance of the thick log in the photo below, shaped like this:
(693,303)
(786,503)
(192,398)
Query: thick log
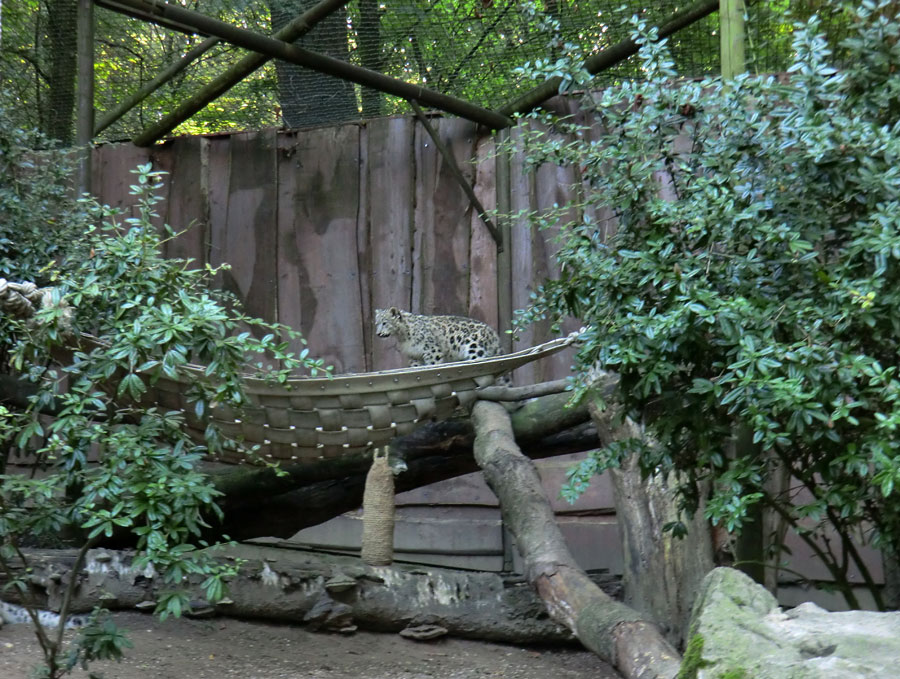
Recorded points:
(617,633)
(328,592)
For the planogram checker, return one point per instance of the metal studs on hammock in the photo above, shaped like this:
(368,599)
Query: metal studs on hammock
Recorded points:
(378,512)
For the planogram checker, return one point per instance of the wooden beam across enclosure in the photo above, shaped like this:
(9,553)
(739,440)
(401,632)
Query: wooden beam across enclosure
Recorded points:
(294,29)
(164,14)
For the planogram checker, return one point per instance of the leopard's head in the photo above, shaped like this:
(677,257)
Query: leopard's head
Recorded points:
(387,321)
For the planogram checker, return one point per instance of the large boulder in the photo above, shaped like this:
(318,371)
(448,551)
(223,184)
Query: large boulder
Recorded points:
(739,632)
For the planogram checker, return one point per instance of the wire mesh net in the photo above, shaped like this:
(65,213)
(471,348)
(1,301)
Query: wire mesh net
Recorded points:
(469,49)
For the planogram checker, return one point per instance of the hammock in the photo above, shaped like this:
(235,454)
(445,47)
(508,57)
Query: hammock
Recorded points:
(309,418)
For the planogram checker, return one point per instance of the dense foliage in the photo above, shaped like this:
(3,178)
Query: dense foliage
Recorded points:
(150,316)
(751,287)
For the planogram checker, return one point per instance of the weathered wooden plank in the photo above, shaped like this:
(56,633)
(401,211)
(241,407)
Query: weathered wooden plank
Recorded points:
(318,262)
(483,282)
(111,173)
(218,184)
(521,199)
(392,191)
(363,248)
(188,204)
(162,158)
(246,237)
(443,231)
(553,187)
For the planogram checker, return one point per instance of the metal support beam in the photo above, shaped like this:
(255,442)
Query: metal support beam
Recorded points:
(84,128)
(457,174)
(609,57)
(278,49)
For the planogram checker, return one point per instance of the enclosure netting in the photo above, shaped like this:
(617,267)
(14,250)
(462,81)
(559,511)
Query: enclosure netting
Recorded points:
(469,49)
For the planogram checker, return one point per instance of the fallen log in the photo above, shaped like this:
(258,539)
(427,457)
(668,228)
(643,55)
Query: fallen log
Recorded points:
(324,591)
(618,634)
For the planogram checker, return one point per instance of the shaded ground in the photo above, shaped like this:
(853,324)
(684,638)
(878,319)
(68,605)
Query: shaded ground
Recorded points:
(209,649)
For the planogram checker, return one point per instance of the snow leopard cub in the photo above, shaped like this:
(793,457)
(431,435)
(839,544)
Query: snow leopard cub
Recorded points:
(427,340)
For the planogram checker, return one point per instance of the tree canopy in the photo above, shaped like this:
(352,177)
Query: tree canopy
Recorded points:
(747,294)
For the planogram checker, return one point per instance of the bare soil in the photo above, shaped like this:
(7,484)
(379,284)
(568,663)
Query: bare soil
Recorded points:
(220,647)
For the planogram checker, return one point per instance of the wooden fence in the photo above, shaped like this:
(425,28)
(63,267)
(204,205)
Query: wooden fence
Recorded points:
(322,226)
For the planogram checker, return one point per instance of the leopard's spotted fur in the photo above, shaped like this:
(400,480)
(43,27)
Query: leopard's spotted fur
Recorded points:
(427,340)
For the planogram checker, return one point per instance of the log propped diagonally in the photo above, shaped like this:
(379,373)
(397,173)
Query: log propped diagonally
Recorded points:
(617,633)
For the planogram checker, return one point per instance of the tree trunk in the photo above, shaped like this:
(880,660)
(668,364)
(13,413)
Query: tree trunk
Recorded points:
(662,574)
(617,633)
(327,592)
(308,97)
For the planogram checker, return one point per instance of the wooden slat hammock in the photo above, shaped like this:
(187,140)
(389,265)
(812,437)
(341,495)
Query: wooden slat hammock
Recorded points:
(311,418)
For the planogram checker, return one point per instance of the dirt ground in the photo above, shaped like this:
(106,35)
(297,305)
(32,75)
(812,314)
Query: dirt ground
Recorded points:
(219,647)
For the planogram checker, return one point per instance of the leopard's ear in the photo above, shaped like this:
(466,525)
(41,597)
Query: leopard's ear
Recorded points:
(395,312)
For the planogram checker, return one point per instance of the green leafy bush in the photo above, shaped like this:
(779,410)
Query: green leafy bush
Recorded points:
(150,317)
(752,283)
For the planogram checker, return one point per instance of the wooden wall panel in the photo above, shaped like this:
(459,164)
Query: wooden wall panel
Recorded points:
(483,250)
(218,184)
(111,175)
(246,238)
(443,231)
(162,157)
(522,253)
(363,249)
(391,194)
(318,262)
(188,204)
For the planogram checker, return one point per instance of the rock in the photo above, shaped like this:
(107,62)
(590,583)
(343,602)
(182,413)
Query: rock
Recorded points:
(738,632)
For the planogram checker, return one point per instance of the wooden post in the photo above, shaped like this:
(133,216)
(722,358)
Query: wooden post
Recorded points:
(731,25)
(84,131)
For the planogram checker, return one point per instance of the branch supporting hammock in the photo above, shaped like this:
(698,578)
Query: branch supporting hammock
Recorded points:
(317,417)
